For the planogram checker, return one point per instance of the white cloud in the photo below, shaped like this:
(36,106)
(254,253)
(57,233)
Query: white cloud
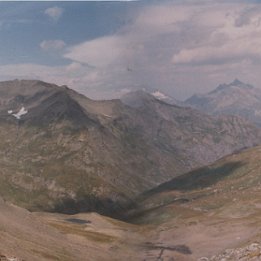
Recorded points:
(55,13)
(99,52)
(49,45)
(172,14)
(140,55)
(178,48)
(237,37)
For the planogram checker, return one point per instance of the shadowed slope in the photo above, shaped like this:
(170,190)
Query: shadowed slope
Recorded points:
(198,179)
(218,210)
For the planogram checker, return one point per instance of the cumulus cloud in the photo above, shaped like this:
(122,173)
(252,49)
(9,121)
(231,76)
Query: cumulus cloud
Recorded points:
(151,18)
(139,56)
(237,37)
(180,48)
(177,47)
(99,52)
(50,45)
(55,13)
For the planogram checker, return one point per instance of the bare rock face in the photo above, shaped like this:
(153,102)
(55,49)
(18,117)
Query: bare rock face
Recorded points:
(61,151)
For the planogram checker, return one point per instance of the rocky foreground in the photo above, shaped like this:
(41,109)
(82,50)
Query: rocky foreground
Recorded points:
(251,252)
(5,258)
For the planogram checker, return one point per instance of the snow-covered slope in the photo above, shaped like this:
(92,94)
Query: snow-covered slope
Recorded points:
(166,98)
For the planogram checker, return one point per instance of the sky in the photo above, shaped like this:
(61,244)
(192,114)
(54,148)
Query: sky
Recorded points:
(105,49)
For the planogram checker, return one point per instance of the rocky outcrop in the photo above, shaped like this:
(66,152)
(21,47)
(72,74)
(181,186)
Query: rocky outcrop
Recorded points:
(251,252)
(6,258)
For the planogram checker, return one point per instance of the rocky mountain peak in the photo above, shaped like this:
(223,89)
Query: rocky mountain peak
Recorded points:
(137,98)
(140,98)
(240,84)
(231,87)
(235,98)
(236,82)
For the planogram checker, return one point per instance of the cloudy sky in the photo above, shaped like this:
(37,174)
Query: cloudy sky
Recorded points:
(105,49)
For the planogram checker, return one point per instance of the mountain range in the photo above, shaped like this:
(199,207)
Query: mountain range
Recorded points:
(61,151)
(149,167)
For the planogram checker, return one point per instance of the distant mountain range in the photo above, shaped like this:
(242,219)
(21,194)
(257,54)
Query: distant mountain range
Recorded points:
(61,151)
(236,98)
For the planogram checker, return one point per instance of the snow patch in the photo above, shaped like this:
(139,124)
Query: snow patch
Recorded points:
(19,114)
(159,95)
(106,115)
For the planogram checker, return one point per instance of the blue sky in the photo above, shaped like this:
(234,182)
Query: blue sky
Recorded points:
(25,25)
(105,49)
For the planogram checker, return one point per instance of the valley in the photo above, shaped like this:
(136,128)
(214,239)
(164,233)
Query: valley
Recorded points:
(130,179)
(130,130)
(179,220)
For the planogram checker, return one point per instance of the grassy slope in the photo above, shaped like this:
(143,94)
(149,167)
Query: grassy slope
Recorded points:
(208,209)
(41,236)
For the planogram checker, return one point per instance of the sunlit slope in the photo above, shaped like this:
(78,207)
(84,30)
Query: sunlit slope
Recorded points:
(25,236)
(84,237)
(209,209)
(231,186)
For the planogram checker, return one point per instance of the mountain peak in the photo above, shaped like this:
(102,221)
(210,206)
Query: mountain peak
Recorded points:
(236,82)
(236,98)
(240,84)
(137,98)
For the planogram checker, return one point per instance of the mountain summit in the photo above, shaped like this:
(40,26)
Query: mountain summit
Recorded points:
(236,84)
(137,98)
(236,98)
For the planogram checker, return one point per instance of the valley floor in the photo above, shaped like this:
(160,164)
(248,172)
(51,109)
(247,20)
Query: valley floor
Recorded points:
(190,236)
(211,213)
